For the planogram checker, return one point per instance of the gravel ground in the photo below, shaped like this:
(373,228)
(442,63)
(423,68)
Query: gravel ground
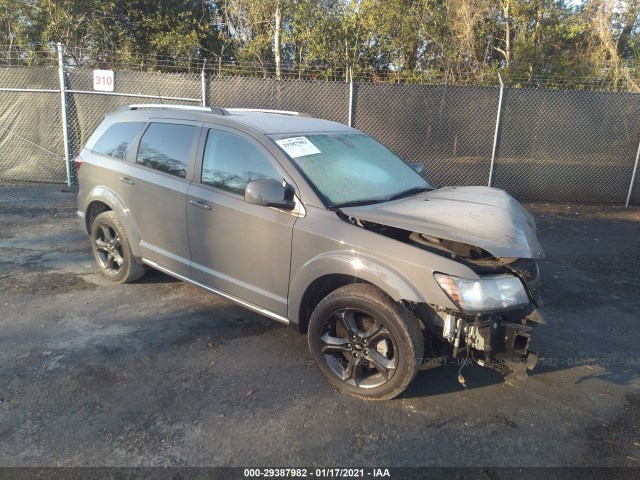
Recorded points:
(160,373)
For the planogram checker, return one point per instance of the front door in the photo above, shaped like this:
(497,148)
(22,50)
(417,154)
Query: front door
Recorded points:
(241,249)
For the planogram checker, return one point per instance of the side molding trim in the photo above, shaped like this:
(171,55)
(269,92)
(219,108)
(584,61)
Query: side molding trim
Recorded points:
(250,306)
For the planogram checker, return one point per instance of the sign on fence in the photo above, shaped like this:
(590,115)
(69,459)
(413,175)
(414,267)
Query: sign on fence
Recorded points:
(103,80)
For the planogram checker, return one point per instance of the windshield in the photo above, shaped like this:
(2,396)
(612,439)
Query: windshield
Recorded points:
(351,168)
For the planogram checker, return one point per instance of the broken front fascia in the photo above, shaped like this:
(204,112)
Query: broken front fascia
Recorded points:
(489,231)
(500,342)
(496,331)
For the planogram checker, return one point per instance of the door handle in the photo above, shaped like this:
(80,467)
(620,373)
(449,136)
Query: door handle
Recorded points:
(200,205)
(128,181)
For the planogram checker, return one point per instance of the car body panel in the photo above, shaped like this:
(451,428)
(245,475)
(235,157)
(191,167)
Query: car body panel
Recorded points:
(157,202)
(488,218)
(101,182)
(239,248)
(324,245)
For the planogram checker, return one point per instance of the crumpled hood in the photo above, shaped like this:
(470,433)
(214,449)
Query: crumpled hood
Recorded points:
(485,217)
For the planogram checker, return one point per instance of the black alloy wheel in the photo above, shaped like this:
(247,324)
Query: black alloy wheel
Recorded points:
(358,348)
(111,250)
(365,343)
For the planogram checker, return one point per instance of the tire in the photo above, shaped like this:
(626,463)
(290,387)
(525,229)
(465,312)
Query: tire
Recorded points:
(111,250)
(366,344)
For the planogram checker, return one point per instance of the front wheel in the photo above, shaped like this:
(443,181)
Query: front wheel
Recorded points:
(365,343)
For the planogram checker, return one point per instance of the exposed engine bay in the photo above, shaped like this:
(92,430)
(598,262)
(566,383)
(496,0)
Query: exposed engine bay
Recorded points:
(498,339)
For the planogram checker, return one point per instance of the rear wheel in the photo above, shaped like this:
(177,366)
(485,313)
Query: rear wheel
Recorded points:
(365,343)
(112,251)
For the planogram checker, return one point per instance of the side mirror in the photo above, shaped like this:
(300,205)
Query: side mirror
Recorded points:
(270,193)
(418,167)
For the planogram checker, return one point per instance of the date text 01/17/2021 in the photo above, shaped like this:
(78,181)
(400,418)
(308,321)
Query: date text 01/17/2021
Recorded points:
(316,472)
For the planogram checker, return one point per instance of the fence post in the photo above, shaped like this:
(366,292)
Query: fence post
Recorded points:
(633,176)
(65,117)
(495,137)
(350,97)
(203,81)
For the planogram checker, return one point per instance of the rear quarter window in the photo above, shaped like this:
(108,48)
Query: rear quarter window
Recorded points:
(117,140)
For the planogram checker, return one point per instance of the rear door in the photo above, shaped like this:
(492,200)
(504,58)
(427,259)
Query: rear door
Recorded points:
(153,186)
(241,249)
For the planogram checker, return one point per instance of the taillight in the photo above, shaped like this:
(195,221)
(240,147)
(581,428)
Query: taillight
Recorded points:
(77,163)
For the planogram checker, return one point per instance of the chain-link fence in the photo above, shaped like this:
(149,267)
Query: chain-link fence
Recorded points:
(449,129)
(86,108)
(322,99)
(548,145)
(563,145)
(31,141)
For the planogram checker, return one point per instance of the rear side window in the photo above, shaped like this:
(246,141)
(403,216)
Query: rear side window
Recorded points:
(165,147)
(117,140)
(231,162)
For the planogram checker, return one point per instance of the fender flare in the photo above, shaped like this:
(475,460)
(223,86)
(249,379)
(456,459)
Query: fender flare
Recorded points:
(361,267)
(107,196)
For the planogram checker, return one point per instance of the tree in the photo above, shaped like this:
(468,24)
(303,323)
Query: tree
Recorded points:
(612,28)
(460,41)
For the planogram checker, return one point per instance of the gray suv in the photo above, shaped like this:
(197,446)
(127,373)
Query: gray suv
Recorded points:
(316,225)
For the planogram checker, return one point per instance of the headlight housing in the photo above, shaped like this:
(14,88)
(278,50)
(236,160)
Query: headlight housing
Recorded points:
(492,292)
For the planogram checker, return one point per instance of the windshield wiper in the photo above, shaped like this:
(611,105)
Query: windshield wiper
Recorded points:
(371,201)
(357,203)
(408,193)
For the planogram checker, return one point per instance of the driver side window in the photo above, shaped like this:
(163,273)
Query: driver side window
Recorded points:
(230,162)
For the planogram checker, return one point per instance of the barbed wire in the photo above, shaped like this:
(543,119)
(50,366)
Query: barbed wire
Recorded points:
(46,55)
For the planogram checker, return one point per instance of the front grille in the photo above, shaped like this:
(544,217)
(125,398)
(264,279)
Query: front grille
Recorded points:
(527,269)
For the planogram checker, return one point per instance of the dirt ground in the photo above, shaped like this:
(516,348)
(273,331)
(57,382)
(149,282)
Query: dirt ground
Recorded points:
(160,373)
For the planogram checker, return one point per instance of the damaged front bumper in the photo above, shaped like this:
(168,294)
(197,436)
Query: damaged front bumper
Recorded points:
(499,341)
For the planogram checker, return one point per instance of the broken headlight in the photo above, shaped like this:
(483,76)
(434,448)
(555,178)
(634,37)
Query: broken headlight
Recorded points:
(487,293)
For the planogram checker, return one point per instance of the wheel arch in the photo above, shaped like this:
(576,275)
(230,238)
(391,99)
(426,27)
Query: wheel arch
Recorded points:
(326,273)
(319,289)
(95,208)
(102,199)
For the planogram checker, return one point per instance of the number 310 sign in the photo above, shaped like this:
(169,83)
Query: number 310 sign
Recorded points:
(103,80)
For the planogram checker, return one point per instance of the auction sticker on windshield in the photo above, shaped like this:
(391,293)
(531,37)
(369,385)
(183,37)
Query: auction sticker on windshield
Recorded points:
(298,146)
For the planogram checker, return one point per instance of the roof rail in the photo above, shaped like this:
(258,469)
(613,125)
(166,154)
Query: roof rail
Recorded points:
(138,106)
(264,110)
